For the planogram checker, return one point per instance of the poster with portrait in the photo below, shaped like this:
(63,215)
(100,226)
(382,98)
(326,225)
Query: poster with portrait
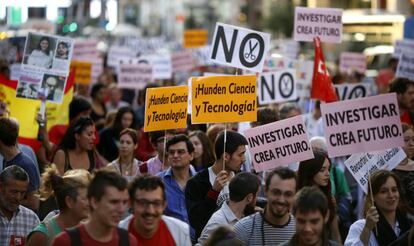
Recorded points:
(45,64)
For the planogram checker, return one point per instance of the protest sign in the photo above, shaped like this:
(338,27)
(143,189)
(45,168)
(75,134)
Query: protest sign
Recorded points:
(195,38)
(85,48)
(362,125)
(402,46)
(166,108)
(279,144)
(223,99)
(83,72)
(352,61)
(277,86)
(202,56)
(246,48)
(353,91)
(142,46)
(15,71)
(325,23)
(161,65)
(405,67)
(290,48)
(134,76)
(45,65)
(364,164)
(117,52)
(182,61)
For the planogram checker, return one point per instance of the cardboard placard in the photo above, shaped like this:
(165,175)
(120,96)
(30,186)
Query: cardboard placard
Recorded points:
(352,61)
(353,91)
(134,76)
(239,47)
(166,108)
(182,61)
(223,99)
(362,125)
(279,144)
(195,38)
(325,23)
(402,46)
(277,86)
(405,67)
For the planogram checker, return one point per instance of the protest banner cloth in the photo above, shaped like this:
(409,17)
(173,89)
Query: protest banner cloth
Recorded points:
(25,111)
(195,38)
(279,143)
(166,108)
(277,86)
(402,46)
(325,23)
(246,49)
(361,166)
(223,99)
(405,67)
(83,72)
(182,61)
(362,125)
(45,65)
(353,91)
(134,76)
(322,86)
(352,61)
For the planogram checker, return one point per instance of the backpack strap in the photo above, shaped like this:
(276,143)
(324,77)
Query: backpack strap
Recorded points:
(74,235)
(123,237)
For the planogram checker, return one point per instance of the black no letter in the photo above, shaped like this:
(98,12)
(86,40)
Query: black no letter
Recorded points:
(220,35)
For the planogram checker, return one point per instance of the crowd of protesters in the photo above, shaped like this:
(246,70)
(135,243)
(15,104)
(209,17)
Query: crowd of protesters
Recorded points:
(102,180)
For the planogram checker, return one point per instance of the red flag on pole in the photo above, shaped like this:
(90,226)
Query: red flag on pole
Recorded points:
(322,87)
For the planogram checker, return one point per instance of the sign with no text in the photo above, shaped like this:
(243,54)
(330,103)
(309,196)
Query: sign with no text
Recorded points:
(239,47)
(166,108)
(83,72)
(362,125)
(223,99)
(195,38)
(325,23)
(280,143)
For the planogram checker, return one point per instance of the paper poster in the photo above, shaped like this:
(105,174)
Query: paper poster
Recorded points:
(277,86)
(134,76)
(223,99)
(182,61)
(195,38)
(362,165)
(279,143)
(166,108)
(362,125)
(325,23)
(403,46)
(239,47)
(353,91)
(45,66)
(352,61)
(83,72)
(405,67)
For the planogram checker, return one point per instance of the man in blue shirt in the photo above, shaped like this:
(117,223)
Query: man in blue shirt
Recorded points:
(180,154)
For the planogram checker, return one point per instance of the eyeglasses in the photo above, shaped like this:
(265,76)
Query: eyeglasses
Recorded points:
(144,203)
(178,151)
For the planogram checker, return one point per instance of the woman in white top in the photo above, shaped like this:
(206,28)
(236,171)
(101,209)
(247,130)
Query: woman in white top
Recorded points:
(42,56)
(126,164)
(384,221)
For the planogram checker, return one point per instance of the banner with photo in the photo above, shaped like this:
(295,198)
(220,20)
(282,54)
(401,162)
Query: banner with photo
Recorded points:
(45,66)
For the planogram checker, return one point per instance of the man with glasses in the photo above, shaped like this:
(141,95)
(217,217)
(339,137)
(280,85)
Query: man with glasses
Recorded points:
(148,224)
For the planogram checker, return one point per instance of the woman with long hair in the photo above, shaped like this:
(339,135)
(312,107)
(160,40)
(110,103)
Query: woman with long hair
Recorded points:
(42,55)
(70,192)
(126,164)
(405,170)
(315,172)
(77,148)
(203,152)
(98,114)
(109,137)
(384,222)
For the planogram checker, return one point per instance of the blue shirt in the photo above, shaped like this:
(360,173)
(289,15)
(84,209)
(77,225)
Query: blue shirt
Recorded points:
(23,161)
(175,195)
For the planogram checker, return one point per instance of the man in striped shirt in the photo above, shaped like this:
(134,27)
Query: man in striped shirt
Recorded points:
(276,224)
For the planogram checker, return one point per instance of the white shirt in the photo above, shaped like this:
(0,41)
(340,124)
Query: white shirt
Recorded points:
(223,216)
(355,232)
(225,192)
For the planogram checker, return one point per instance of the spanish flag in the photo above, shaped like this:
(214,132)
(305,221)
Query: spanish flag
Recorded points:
(26,110)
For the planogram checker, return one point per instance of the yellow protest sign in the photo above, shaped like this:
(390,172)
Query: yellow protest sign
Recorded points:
(223,99)
(83,72)
(195,38)
(166,108)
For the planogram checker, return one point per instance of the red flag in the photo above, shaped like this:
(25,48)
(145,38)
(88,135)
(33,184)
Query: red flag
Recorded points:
(322,87)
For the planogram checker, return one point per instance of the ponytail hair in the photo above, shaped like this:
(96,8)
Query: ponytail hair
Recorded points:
(62,186)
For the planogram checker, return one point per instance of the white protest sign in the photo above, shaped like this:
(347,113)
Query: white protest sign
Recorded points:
(239,47)
(134,76)
(85,49)
(277,86)
(362,125)
(182,61)
(405,67)
(15,71)
(161,65)
(402,46)
(352,61)
(359,165)
(290,48)
(279,144)
(325,23)
(202,56)
(353,91)
(117,52)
